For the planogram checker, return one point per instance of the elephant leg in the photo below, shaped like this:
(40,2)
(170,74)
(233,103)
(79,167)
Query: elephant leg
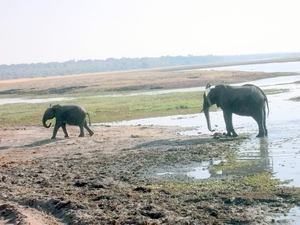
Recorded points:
(265,126)
(81,130)
(229,125)
(88,129)
(56,127)
(260,119)
(65,130)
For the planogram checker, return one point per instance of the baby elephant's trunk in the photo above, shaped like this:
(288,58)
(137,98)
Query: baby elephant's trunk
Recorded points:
(44,122)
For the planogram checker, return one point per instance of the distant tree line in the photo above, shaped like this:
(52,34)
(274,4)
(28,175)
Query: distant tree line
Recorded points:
(17,71)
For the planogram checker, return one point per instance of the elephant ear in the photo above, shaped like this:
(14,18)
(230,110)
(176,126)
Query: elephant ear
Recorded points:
(56,106)
(207,92)
(56,109)
(220,94)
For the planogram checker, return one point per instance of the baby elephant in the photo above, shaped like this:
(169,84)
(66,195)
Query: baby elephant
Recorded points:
(67,114)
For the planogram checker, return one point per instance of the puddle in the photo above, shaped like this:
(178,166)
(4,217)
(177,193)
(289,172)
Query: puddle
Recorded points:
(292,218)
(199,171)
(202,171)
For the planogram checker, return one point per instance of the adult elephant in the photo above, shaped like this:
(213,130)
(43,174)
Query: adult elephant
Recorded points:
(246,100)
(67,114)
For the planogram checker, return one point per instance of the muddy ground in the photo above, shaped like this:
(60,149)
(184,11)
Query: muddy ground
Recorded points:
(111,177)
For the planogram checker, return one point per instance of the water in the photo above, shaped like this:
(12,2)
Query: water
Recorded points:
(4,101)
(202,171)
(292,218)
(268,67)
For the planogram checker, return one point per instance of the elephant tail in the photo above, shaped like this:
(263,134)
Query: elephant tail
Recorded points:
(89,118)
(265,96)
(266,100)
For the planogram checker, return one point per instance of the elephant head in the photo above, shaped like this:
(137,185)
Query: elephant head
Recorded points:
(49,114)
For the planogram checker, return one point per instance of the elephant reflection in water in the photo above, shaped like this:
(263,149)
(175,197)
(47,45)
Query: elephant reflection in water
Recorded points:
(257,156)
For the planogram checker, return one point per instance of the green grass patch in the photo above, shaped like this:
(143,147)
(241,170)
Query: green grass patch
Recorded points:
(109,109)
(21,114)
(263,181)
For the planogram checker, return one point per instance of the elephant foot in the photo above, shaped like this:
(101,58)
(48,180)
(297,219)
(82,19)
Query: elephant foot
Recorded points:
(233,134)
(81,135)
(91,134)
(53,137)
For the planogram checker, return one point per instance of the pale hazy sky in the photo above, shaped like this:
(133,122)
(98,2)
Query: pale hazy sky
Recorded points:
(60,30)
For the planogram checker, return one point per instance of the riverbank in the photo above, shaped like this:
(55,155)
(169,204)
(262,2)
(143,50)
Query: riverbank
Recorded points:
(126,81)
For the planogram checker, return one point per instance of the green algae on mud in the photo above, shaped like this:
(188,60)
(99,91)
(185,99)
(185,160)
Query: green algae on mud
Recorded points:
(218,197)
(263,183)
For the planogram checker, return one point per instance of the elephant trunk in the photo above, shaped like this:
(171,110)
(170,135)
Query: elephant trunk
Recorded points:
(206,113)
(44,122)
